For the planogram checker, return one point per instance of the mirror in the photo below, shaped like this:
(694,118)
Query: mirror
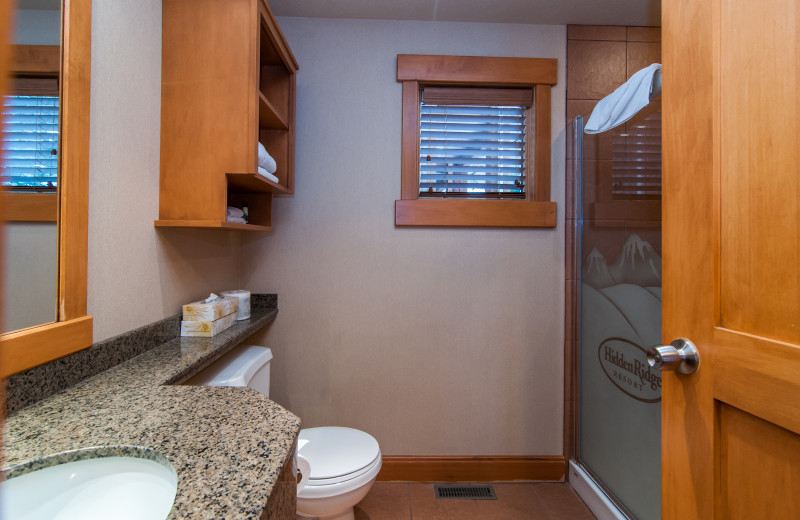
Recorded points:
(30,166)
(72,329)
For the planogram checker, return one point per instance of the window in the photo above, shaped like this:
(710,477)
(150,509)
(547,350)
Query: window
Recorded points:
(30,142)
(29,171)
(636,174)
(473,143)
(476,141)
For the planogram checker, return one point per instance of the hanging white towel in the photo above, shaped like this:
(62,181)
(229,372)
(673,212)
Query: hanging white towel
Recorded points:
(235,212)
(623,103)
(265,160)
(268,175)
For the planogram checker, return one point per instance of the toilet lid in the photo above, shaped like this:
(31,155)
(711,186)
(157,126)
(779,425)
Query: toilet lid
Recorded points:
(334,451)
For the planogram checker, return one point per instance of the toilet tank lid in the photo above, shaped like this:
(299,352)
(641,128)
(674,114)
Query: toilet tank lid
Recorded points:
(235,368)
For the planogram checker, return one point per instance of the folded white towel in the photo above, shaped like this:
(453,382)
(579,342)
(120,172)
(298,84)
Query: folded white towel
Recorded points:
(268,175)
(237,220)
(623,103)
(235,212)
(265,160)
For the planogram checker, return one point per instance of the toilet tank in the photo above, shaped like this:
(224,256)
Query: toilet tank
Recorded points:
(245,365)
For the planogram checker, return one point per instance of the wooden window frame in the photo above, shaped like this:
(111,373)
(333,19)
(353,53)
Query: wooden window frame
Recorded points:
(19,206)
(415,71)
(37,62)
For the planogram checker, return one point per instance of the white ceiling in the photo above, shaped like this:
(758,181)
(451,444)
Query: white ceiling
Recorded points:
(548,12)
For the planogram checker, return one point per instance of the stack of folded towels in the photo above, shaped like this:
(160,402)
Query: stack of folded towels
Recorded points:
(236,215)
(266,164)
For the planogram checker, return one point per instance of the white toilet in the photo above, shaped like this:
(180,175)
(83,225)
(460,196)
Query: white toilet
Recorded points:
(344,461)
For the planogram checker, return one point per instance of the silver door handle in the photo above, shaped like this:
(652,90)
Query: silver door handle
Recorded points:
(680,355)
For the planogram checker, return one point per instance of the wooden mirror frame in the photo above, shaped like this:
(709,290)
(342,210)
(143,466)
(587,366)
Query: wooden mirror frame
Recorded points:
(26,348)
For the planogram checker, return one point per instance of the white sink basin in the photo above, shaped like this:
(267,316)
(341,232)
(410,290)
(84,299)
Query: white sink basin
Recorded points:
(109,487)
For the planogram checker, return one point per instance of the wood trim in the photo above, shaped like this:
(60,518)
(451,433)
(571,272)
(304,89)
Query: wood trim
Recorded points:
(477,96)
(536,73)
(39,86)
(35,59)
(690,206)
(409,158)
(5,61)
(472,469)
(776,367)
(210,224)
(29,207)
(30,347)
(291,137)
(541,154)
(253,183)
(74,160)
(477,70)
(475,213)
(572,303)
(530,153)
(34,346)
(278,40)
(268,115)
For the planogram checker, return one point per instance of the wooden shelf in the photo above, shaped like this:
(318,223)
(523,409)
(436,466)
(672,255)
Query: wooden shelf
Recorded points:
(268,116)
(253,183)
(202,141)
(210,224)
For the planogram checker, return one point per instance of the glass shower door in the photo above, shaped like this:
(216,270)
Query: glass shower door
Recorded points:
(619,250)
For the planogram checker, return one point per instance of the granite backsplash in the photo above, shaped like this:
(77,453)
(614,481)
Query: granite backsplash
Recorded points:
(33,385)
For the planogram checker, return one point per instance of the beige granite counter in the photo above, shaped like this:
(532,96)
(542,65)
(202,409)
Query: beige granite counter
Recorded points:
(227,445)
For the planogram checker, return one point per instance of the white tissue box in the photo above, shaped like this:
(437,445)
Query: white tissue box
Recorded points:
(207,329)
(211,311)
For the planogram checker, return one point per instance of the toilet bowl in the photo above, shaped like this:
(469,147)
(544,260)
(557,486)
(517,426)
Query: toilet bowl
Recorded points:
(344,462)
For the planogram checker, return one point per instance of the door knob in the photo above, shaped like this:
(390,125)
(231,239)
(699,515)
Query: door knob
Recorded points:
(680,355)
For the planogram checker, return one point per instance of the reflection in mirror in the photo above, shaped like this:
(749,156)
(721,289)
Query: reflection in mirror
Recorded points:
(72,331)
(29,170)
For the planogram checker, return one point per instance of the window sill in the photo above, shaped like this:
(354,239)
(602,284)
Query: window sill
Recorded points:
(475,213)
(29,207)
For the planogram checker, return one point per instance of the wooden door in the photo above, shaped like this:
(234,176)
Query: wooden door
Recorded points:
(731,431)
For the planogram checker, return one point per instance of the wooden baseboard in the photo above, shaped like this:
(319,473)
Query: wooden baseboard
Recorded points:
(472,469)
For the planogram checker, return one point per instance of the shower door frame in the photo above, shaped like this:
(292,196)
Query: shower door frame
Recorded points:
(573,256)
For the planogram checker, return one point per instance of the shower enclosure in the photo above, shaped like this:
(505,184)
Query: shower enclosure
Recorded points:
(618,255)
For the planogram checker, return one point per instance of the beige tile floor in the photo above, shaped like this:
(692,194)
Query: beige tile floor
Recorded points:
(515,501)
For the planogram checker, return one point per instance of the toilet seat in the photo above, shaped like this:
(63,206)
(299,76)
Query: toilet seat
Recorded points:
(344,478)
(335,451)
(341,459)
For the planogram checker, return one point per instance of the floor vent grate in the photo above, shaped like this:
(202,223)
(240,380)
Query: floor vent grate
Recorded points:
(462,492)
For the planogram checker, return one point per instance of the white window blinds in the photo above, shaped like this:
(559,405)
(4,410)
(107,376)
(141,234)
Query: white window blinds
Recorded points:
(473,142)
(30,142)
(637,159)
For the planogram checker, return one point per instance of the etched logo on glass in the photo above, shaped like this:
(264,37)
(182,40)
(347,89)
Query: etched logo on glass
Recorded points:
(625,364)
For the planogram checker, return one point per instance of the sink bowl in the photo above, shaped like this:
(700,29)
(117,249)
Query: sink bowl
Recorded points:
(99,486)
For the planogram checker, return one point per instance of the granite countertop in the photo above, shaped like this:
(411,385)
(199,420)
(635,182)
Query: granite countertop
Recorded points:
(227,445)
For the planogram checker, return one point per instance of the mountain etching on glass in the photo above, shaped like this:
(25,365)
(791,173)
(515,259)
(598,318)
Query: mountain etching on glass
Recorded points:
(637,264)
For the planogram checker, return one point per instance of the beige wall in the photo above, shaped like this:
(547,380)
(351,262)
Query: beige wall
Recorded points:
(436,341)
(30,274)
(36,27)
(138,275)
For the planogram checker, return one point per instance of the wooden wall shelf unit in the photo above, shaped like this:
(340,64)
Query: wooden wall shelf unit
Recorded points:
(227,81)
